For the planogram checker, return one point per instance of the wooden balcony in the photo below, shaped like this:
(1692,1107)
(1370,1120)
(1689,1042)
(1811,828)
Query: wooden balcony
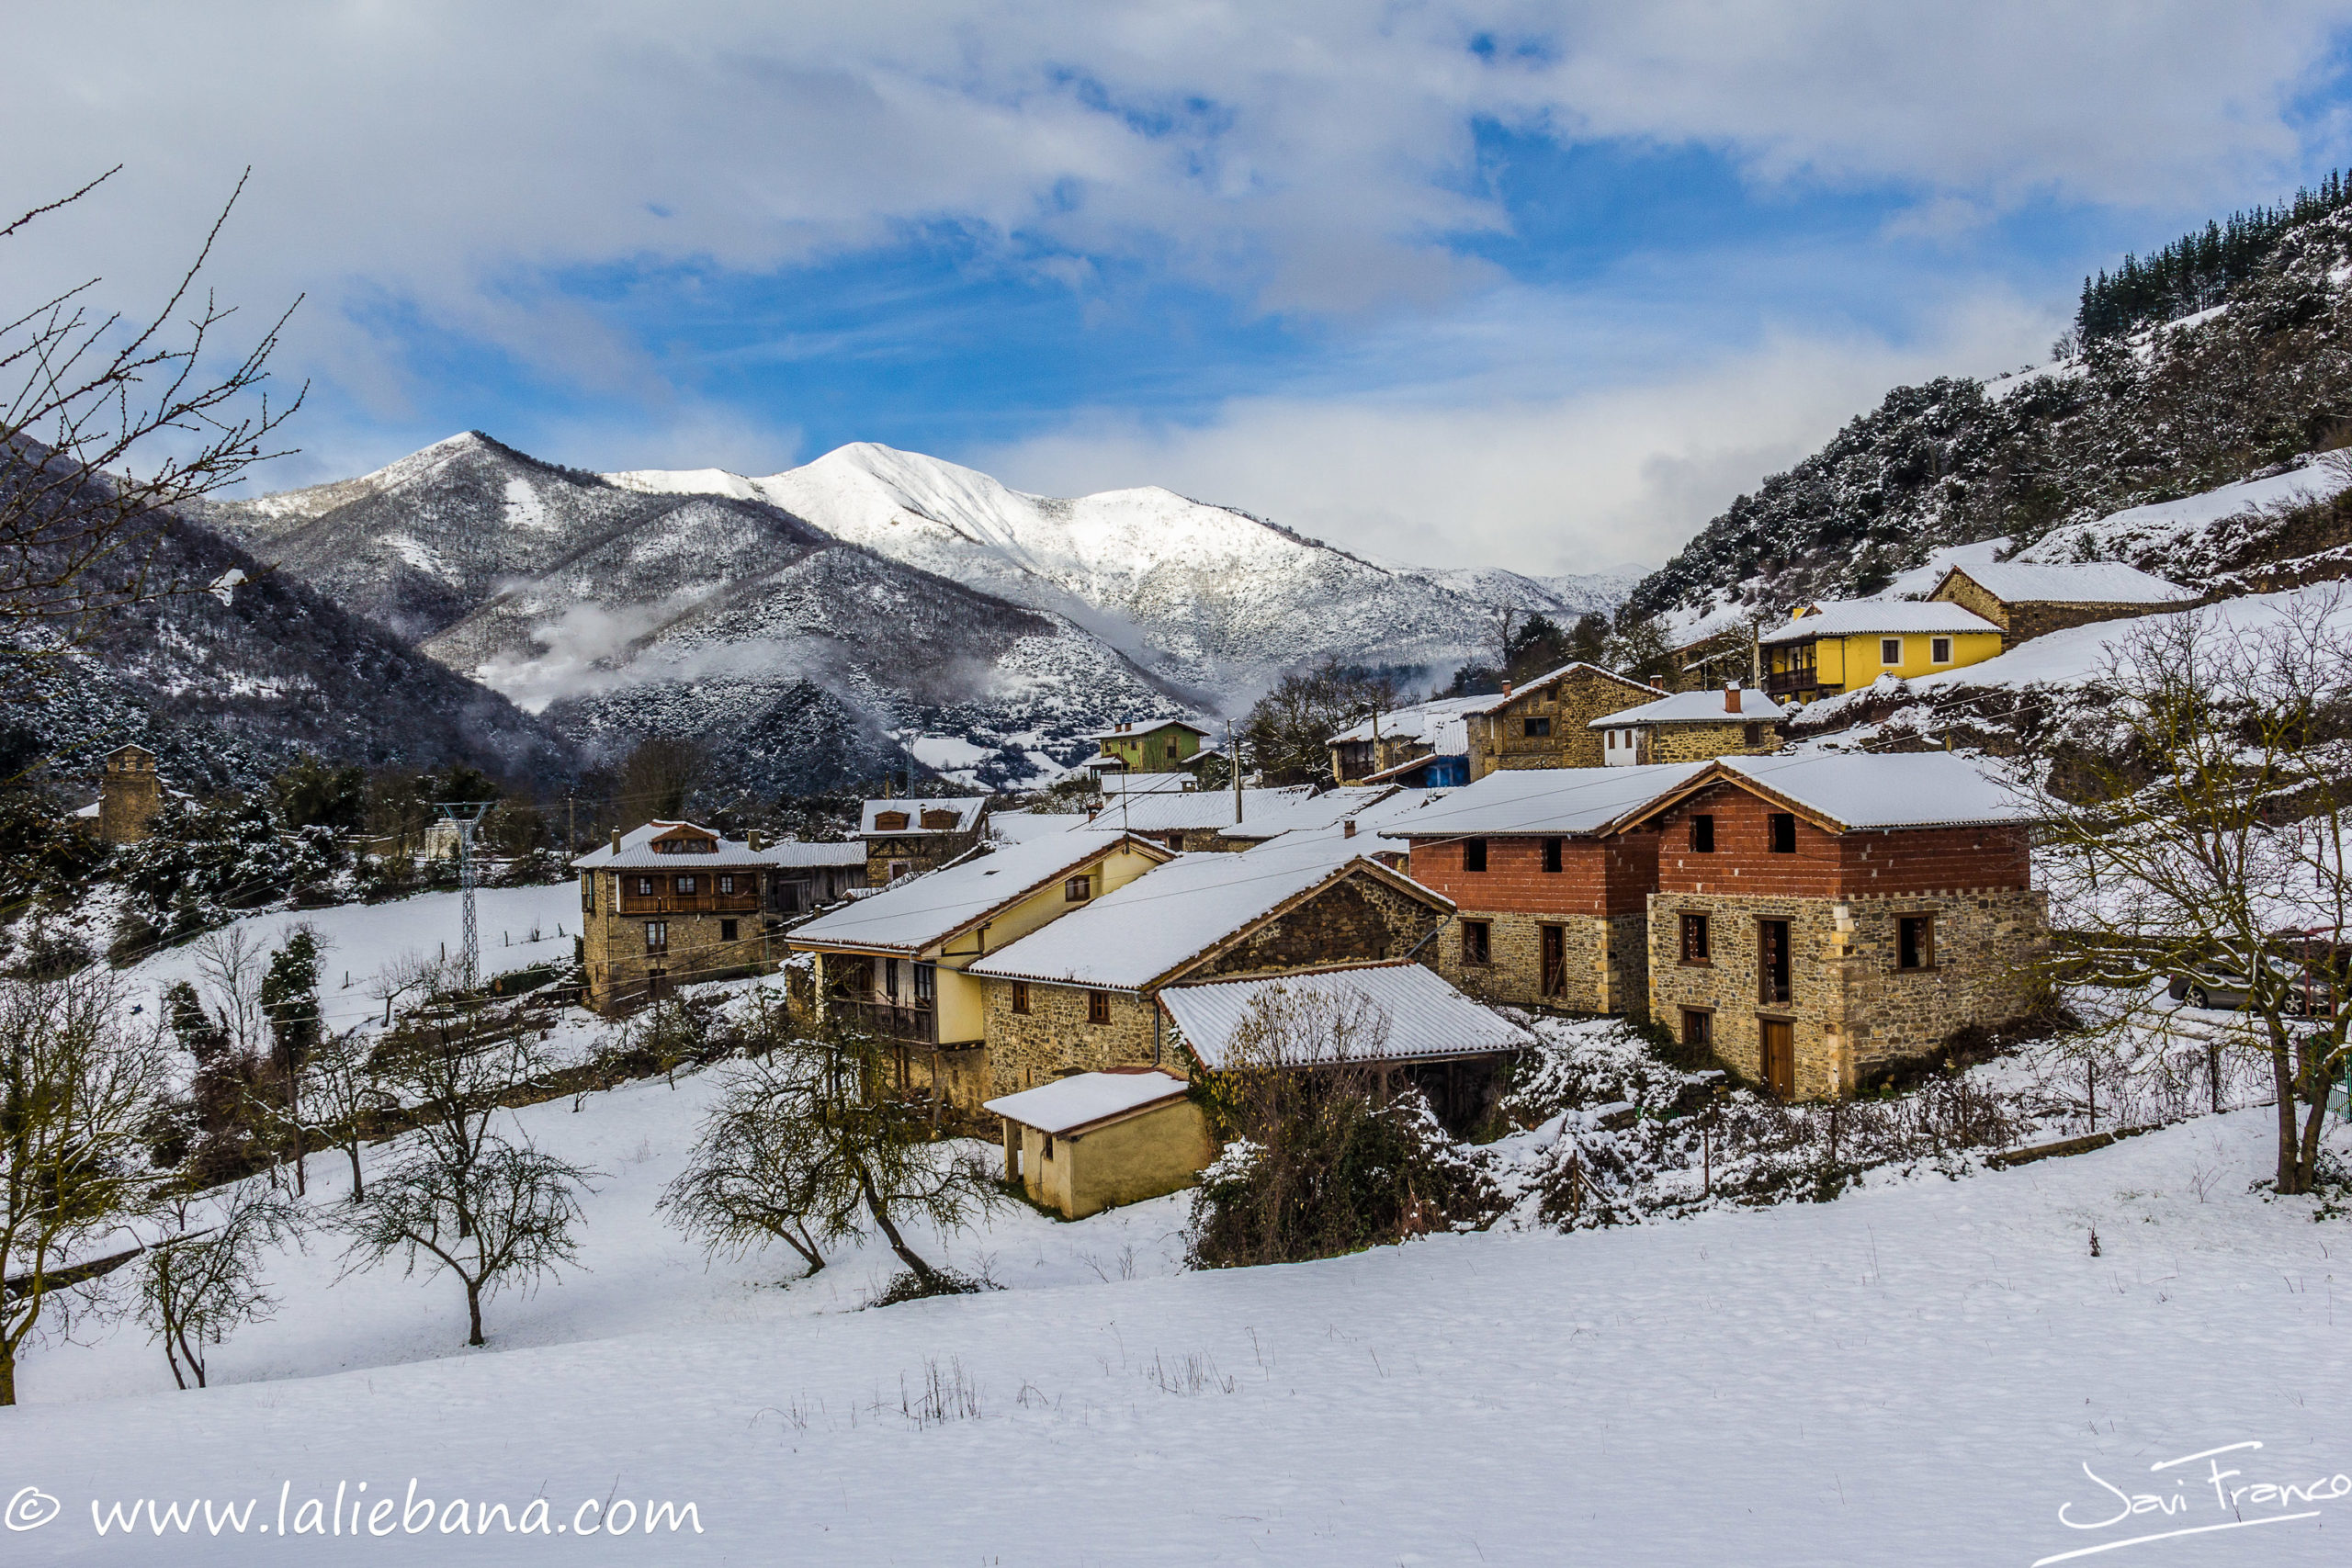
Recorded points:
(886,1021)
(1792,683)
(745,901)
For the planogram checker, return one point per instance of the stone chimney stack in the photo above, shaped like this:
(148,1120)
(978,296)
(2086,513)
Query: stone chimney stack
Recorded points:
(758,841)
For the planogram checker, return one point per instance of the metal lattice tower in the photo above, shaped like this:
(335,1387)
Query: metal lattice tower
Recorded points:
(466,814)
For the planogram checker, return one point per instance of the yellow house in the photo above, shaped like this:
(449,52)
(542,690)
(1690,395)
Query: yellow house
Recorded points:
(1092,1141)
(894,961)
(1827,648)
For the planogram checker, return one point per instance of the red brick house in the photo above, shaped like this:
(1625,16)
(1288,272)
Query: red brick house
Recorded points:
(1818,918)
(1553,901)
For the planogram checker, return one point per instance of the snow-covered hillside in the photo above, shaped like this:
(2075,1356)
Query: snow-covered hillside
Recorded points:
(1204,595)
(1920,1373)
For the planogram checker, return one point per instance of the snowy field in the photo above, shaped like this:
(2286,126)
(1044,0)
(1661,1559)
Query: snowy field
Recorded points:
(1917,1373)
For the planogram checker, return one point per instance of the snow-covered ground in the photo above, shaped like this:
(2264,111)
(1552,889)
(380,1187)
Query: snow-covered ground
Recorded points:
(1919,1372)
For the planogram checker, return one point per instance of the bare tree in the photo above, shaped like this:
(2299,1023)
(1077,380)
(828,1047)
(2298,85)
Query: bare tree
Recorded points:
(78,1093)
(203,1280)
(2203,824)
(231,966)
(804,1146)
(346,1095)
(470,1194)
(107,424)
(657,778)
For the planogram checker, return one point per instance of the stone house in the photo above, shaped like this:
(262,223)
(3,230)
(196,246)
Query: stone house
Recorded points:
(898,961)
(1552,901)
(904,837)
(2029,601)
(672,903)
(1432,739)
(1547,722)
(1081,993)
(1820,918)
(129,794)
(804,877)
(1420,1032)
(1691,726)
(1823,649)
(1093,1141)
(1167,746)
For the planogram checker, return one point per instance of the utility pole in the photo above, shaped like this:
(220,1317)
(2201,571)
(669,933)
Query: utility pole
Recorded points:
(571,830)
(466,814)
(1233,748)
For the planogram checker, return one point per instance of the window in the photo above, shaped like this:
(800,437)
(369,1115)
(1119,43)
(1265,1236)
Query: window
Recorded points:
(1784,833)
(1078,889)
(683,883)
(726,885)
(1551,855)
(899,868)
(1751,736)
(1049,1145)
(1702,834)
(926,984)
(1021,995)
(1940,650)
(645,887)
(727,931)
(1474,854)
(657,936)
(1477,942)
(588,892)
(1695,949)
(939,821)
(1698,1028)
(1772,961)
(1537,728)
(1611,743)
(1915,942)
(889,821)
(1890,651)
(1098,1007)
(890,979)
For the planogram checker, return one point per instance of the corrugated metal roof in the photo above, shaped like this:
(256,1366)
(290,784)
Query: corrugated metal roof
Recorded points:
(2088,582)
(1863,618)
(1435,721)
(1085,1100)
(1317,811)
(1416,1016)
(918,912)
(1544,800)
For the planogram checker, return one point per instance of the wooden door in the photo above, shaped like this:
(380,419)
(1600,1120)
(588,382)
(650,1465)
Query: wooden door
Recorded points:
(1780,1064)
(1556,960)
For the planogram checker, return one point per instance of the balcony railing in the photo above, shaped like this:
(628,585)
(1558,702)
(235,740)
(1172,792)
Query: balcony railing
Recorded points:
(887,1020)
(1786,682)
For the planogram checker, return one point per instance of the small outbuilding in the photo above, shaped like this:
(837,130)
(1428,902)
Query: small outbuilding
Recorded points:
(1093,1141)
(2027,600)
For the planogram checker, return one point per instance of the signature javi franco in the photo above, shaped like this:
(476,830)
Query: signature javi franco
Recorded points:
(2247,1503)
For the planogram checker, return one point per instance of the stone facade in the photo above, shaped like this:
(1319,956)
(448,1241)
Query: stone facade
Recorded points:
(1698,742)
(130,793)
(1597,899)
(1854,1012)
(1545,724)
(624,971)
(2026,619)
(1056,1037)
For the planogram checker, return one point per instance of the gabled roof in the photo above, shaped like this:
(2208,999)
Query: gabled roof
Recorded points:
(1137,729)
(1695,708)
(1492,704)
(1863,618)
(1416,1017)
(2089,582)
(1438,722)
(1843,791)
(637,853)
(1315,811)
(1070,1106)
(1156,926)
(1565,801)
(919,912)
(967,813)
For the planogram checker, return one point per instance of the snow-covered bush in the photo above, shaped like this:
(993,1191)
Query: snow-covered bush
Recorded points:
(203,863)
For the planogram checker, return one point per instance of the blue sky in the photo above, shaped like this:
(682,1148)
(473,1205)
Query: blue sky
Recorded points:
(1539,286)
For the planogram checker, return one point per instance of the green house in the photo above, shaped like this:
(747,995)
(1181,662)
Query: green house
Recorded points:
(1167,746)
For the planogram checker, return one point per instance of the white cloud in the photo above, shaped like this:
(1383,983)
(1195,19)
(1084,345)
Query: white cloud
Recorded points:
(1603,478)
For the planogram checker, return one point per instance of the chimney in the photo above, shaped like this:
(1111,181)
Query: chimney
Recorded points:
(1348,829)
(1731,696)
(617,840)
(758,840)
(1505,691)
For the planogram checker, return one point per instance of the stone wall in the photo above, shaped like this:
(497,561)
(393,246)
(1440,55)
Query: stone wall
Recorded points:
(129,794)
(1855,1013)
(1053,1039)
(1698,742)
(919,852)
(2027,619)
(1357,918)
(1500,739)
(618,967)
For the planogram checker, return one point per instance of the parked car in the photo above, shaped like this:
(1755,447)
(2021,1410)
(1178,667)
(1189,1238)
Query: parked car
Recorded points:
(2224,982)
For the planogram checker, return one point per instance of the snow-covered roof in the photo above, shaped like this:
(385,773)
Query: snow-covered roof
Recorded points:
(2089,582)
(1024,827)
(1168,812)
(1136,936)
(919,912)
(1425,1017)
(1566,801)
(1921,581)
(1850,792)
(1120,781)
(637,854)
(967,812)
(1862,617)
(1086,1099)
(1316,811)
(1491,705)
(1141,727)
(804,854)
(90,810)
(1695,708)
(1438,723)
